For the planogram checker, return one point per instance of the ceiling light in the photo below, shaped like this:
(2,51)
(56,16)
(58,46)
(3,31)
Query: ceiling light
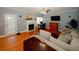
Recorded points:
(45,10)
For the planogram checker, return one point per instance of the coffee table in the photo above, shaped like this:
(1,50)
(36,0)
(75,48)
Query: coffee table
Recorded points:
(34,44)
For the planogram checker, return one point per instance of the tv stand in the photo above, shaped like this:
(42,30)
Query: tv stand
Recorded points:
(54,29)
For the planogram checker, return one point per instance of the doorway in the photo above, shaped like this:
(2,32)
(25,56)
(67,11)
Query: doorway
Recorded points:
(10,24)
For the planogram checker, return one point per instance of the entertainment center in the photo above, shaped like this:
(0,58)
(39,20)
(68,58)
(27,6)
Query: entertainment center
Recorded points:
(53,26)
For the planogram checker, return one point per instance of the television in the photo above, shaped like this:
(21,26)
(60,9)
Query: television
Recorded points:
(55,18)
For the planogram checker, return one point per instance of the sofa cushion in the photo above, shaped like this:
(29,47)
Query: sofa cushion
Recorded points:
(75,44)
(65,38)
(75,40)
(45,34)
(75,34)
(66,31)
(60,43)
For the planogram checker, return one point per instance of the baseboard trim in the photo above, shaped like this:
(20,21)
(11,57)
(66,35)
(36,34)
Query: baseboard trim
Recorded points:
(2,36)
(21,32)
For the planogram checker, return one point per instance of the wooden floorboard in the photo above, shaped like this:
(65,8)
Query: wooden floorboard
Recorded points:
(14,43)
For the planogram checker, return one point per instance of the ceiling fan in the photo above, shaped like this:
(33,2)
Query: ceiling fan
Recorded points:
(45,10)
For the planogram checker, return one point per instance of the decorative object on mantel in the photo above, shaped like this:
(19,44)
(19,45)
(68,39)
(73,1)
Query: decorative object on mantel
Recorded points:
(30,17)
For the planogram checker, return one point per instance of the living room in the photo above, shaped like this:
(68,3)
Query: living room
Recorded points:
(27,24)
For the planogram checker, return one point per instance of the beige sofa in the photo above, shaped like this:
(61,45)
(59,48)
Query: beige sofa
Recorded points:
(57,44)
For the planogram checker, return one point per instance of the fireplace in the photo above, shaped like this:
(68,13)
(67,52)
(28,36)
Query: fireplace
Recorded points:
(31,26)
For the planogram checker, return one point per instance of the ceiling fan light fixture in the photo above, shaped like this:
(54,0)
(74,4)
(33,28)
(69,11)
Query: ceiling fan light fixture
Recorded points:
(45,10)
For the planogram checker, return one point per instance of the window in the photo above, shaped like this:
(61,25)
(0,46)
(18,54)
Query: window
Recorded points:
(39,19)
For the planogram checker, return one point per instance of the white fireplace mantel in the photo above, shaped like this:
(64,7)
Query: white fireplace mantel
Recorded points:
(30,22)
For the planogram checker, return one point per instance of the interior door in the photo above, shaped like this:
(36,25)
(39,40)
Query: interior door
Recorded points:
(10,24)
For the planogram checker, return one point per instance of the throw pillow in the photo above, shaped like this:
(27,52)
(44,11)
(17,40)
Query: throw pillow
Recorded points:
(65,38)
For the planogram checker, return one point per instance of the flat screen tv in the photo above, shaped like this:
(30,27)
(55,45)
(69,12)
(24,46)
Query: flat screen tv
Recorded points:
(55,18)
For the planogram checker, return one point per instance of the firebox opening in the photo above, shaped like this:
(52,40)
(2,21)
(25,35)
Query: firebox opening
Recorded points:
(31,26)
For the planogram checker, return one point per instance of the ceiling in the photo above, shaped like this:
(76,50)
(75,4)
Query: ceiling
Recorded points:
(38,9)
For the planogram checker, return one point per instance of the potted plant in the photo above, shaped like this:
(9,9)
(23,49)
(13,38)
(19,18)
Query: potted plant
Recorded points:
(73,23)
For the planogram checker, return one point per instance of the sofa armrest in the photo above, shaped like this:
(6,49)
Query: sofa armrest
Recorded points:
(44,34)
(60,43)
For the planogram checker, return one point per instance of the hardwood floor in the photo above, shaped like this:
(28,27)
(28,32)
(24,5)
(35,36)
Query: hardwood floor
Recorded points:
(14,43)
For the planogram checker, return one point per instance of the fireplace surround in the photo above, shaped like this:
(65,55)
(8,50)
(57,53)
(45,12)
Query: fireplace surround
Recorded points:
(30,25)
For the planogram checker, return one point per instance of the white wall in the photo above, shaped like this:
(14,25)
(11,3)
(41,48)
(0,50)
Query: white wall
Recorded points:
(21,22)
(64,15)
(78,18)
(30,22)
(1,24)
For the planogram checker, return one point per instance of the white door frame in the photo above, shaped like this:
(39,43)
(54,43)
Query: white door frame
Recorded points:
(5,24)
